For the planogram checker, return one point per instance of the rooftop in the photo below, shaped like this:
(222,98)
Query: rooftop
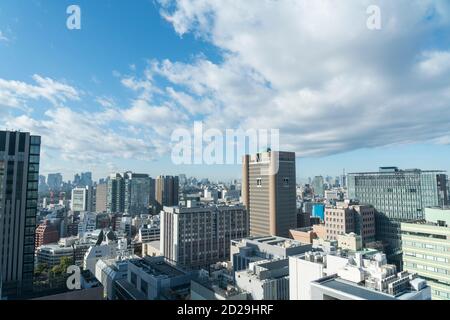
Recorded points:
(350,288)
(157,267)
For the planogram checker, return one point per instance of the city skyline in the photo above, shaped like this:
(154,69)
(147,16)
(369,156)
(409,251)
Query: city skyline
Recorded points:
(379,100)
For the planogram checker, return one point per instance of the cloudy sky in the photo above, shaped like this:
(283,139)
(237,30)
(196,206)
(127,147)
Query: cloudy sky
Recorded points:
(108,97)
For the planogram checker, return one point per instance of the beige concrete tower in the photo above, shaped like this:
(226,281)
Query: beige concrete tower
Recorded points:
(269,192)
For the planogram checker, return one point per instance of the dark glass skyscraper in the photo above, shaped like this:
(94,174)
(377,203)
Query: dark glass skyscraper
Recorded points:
(19,179)
(137,193)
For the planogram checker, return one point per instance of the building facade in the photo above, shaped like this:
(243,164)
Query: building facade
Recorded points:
(46,233)
(426,250)
(101,196)
(166,191)
(398,195)
(19,178)
(137,193)
(115,202)
(269,193)
(197,237)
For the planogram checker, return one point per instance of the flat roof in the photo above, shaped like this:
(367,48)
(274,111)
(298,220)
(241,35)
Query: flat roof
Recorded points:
(397,172)
(352,289)
(157,267)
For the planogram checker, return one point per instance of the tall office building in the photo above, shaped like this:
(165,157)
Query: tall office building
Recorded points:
(115,202)
(19,177)
(269,193)
(54,181)
(317,185)
(86,179)
(197,237)
(166,191)
(79,199)
(101,195)
(137,193)
(83,199)
(398,195)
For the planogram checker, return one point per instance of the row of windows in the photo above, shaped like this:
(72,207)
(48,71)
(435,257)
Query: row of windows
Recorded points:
(427,257)
(426,246)
(426,268)
(441,294)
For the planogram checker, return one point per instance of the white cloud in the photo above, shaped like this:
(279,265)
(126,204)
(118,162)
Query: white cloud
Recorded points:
(106,102)
(315,71)
(81,136)
(16,93)
(3,37)
(435,63)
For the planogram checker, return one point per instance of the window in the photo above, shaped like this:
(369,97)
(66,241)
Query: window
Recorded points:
(286,182)
(144,287)
(133,279)
(259,182)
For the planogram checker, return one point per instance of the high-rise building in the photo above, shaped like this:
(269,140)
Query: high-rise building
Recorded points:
(398,195)
(137,193)
(269,193)
(197,237)
(317,184)
(86,179)
(80,199)
(54,181)
(166,191)
(101,195)
(115,202)
(19,177)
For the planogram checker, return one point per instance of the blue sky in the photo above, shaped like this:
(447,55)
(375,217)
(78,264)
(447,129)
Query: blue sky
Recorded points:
(107,97)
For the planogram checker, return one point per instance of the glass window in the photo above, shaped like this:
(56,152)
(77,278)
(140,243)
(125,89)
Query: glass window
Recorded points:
(35,149)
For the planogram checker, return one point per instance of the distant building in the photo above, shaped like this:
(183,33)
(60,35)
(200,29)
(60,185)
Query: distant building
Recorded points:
(269,192)
(166,191)
(318,186)
(115,201)
(46,233)
(79,199)
(137,193)
(101,196)
(54,181)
